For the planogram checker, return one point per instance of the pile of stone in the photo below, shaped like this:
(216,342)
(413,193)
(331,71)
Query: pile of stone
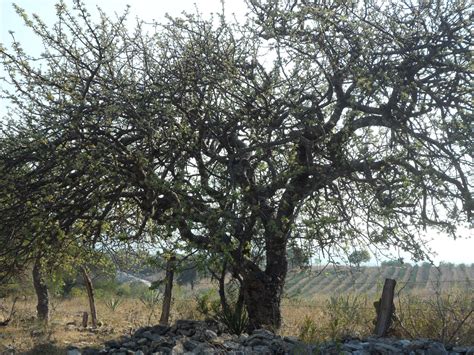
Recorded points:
(205,337)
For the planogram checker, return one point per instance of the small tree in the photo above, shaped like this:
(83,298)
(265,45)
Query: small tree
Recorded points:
(358,257)
(298,256)
(188,275)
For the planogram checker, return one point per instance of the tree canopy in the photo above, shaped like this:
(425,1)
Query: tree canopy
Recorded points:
(336,122)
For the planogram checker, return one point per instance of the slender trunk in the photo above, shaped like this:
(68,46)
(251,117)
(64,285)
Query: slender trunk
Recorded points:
(166,308)
(41,289)
(90,295)
(222,295)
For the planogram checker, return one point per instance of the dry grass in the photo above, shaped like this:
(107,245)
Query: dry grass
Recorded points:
(23,333)
(317,319)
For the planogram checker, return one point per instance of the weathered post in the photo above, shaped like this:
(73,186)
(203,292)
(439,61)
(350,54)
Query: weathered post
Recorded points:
(85,319)
(165,310)
(90,295)
(385,309)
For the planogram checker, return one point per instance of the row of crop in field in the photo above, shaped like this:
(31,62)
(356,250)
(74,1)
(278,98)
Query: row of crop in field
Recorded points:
(423,277)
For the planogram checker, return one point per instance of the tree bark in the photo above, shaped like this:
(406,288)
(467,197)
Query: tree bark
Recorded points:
(262,290)
(41,289)
(262,298)
(166,308)
(90,296)
(222,295)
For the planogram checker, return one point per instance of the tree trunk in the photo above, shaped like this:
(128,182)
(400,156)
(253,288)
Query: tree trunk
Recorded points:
(222,295)
(41,289)
(90,295)
(262,290)
(262,298)
(166,308)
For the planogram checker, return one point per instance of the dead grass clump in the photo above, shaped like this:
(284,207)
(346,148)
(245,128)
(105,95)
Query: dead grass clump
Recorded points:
(445,316)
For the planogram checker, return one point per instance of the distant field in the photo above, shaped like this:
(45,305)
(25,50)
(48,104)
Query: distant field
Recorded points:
(369,280)
(366,280)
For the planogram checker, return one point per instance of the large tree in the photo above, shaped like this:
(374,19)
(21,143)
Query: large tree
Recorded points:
(334,121)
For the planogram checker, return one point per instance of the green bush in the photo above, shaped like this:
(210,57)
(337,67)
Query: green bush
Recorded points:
(77,291)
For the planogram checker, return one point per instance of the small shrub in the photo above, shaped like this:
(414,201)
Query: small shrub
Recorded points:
(347,315)
(77,292)
(112,303)
(445,317)
(234,317)
(308,331)
(151,299)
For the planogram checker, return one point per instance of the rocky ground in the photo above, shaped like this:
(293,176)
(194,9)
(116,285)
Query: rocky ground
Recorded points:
(199,337)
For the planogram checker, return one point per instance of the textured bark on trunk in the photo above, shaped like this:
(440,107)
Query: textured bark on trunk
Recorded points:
(262,298)
(166,308)
(41,289)
(90,296)
(262,290)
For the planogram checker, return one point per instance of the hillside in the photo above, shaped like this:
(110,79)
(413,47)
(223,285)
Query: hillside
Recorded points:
(331,280)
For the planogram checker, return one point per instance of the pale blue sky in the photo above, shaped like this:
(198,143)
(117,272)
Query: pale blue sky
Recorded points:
(448,250)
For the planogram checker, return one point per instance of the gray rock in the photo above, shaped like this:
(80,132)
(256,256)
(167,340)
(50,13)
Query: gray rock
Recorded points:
(386,348)
(353,346)
(263,333)
(403,343)
(291,340)
(160,329)
(190,344)
(112,344)
(162,351)
(231,345)
(140,331)
(151,336)
(361,352)
(210,335)
(242,337)
(203,348)
(129,344)
(254,341)
(260,349)
(436,349)
(186,332)
(178,349)
(73,352)
(142,341)
(415,345)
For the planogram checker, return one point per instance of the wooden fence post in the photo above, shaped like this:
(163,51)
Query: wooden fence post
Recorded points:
(385,308)
(85,319)
(165,309)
